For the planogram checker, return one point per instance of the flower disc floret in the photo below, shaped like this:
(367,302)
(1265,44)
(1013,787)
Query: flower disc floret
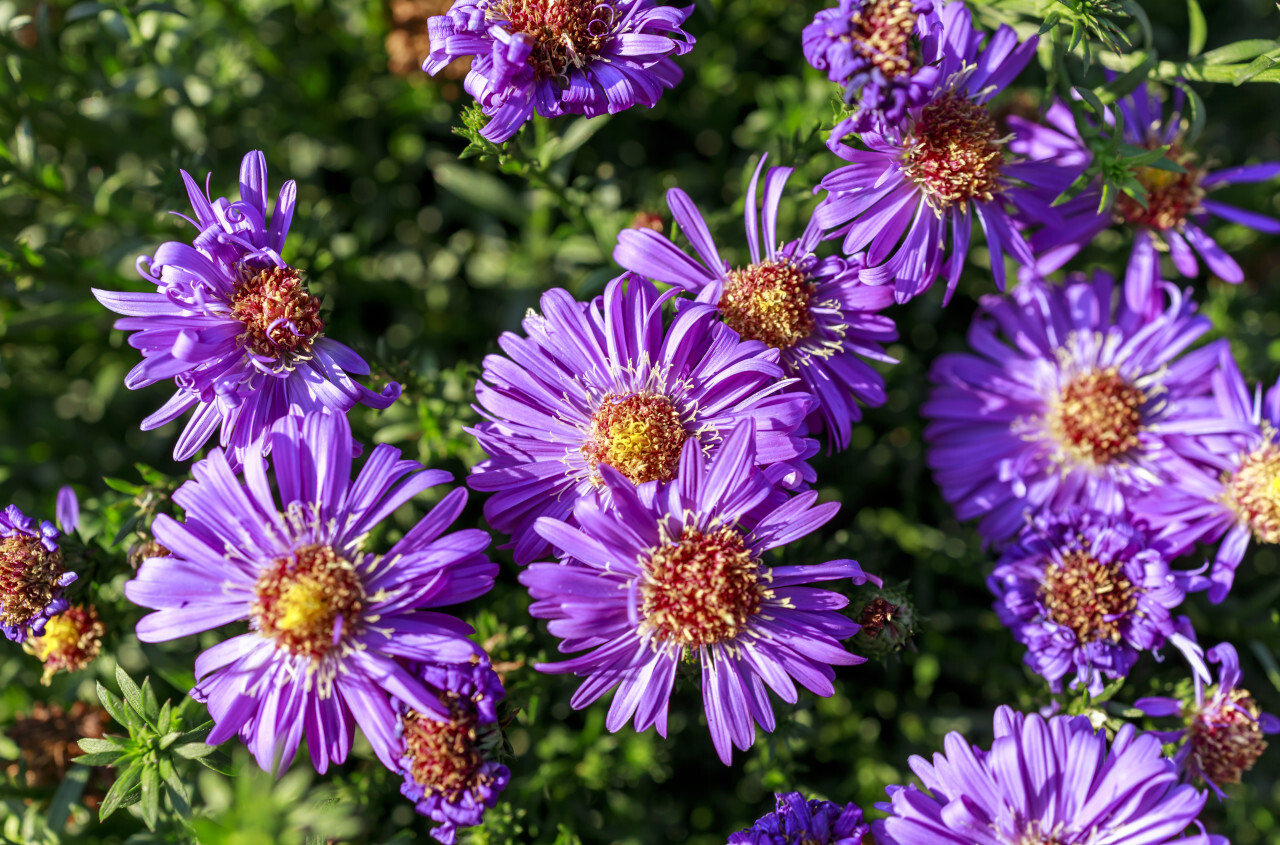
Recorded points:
(1088,596)
(30,578)
(639,435)
(1253,490)
(1097,416)
(280,317)
(1226,738)
(565,32)
(701,589)
(70,642)
(954,152)
(304,601)
(446,759)
(769,302)
(880,32)
(1172,197)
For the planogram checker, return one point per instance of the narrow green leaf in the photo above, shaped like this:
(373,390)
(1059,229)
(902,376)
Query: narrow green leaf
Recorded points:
(101,758)
(1240,51)
(168,739)
(152,706)
(218,762)
(123,792)
(1197,113)
(130,525)
(132,694)
(1199,29)
(1049,23)
(1267,660)
(69,792)
(178,795)
(122,486)
(150,803)
(107,745)
(1256,67)
(194,750)
(164,721)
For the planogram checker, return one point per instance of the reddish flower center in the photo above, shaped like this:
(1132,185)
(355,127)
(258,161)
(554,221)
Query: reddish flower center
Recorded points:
(1254,491)
(280,318)
(308,601)
(881,34)
(29,575)
(1171,197)
(445,756)
(702,588)
(955,152)
(1227,740)
(769,302)
(1089,597)
(565,32)
(1097,416)
(70,642)
(875,616)
(639,435)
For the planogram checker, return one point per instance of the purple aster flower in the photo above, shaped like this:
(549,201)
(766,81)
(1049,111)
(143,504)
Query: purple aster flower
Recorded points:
(589,57)
(1227,488)
(1222,736)
(663,573)
(800,822)
(882,53)
(1067,399)
(1046,782)
(818,315)
(234,326)
(328,619)
(606,384)
(920,183)
(1178,206)
(446,764)
(1087,593)
(67,509)
(32,578)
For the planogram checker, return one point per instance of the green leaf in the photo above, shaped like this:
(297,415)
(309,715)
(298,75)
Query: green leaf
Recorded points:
(69,792)
(122,486)
(1199,29)
(1197,116)
(132,694)
(218,762)
(105,745)
(194,750)
(123,792)
(168,739)
(150,803)
(1256,67)
(128,528)
(1268,662)
(1240,51)
(178,795)
(152,706)
(1049,23)
(101,758)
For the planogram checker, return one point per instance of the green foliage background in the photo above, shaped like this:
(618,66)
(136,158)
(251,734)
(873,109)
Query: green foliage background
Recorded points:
(423,260)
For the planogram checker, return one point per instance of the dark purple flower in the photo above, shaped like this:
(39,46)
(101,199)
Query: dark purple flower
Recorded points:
(329,620)
(884,53)
(561,57)
(32,578)
(608,384)
(661,573)
(822,320)
(1222,737)
(800,822)
(446,764)
(1228,486)
(1087,593)
(920,183)
(1178,206)
(1067,399)
(1046,782)
(234,326)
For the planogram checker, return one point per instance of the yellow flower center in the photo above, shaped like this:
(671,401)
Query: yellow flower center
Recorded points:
(1097,416)
(309,601)
(768,302)
(639,435)
(1089,597)
(1254,491)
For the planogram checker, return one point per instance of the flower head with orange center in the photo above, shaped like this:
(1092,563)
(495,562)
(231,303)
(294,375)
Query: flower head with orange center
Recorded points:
(686,581)
(639,435)
(32,576)
(330,623)
(954,153)
(560,57)
(825,323)
(1089,593)
(70,642)
(1223,728)
(1068,398)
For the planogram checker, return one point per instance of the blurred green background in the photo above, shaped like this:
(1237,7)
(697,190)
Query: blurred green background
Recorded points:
(422,261)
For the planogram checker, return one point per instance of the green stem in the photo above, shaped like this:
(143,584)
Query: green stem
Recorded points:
(1190,71)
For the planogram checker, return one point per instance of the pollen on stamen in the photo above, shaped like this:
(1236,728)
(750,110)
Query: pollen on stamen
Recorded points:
(1088,596)
(768,302)
(702,588)
(1226,739)
(881,33)
(1171,196)
(638,434)
(308,601)
(280,317)
(1253,492)
(446,757)
(70,642)
(954,152)
(565,32)
(31,578)
(1097,416)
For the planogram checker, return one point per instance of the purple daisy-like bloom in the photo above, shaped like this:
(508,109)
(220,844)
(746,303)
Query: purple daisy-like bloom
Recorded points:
(1067,399)
(329,622)
(1178,206)
(561,57)
(800,822)
(446,765)
(920,183)
(667,572)
(881,52)
(234,326)
(32,578)
(818,315)
(1089,593)
(1227,490)
(1046,782)
(1222,737)
(608,384)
